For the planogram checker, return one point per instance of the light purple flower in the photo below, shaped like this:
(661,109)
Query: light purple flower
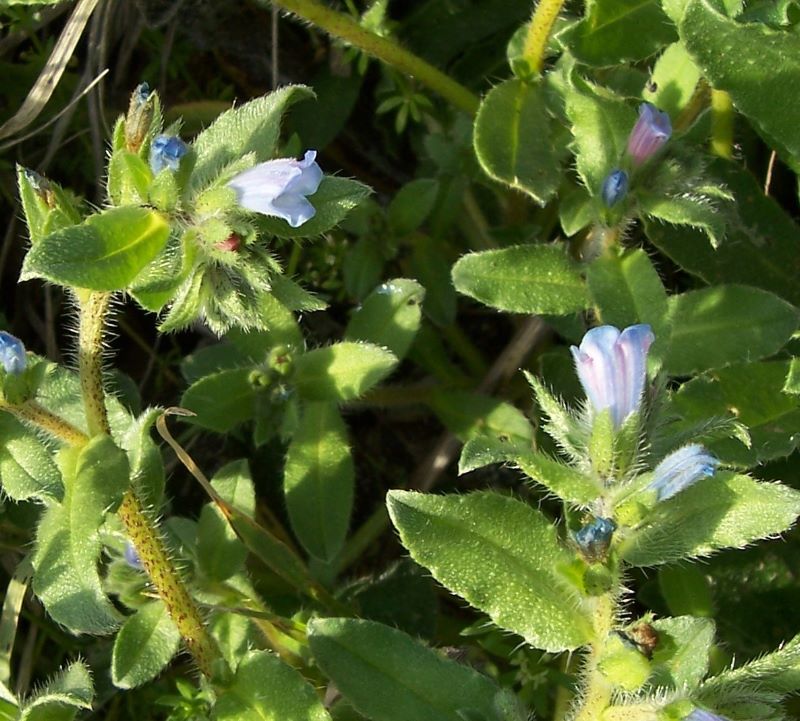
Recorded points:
(12,353)
(652,130)
(166,151)
(279,188)
(612,368)
(700,715)
(681,469)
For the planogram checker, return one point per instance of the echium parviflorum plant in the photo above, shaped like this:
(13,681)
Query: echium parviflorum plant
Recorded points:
(187,231)
(636,493)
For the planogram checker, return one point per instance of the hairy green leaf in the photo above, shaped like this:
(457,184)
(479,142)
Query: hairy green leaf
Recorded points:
(388,676)
(105,252)
(500,555)
(522,279)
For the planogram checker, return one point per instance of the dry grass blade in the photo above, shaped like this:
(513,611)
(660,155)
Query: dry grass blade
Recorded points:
(51,74)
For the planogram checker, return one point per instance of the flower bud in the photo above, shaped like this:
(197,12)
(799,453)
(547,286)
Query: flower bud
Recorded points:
(279,188)
(230,244)
(166,151)
(594,538)
(652,130)
(12,353)
(615,187)
(611,367)
(139,117)
(681,469)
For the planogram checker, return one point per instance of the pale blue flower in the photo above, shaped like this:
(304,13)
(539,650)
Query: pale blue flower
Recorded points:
(12,353)
(166,151)
(279,188)
(700,715)
(681,469)
(612,368)
(615,187)
(652,130)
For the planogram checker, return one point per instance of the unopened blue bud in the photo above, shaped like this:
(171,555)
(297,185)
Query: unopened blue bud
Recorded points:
(166,151)
(141,94)
(681,469)
(615,187)
(12,353)
(595,537)
(132,557)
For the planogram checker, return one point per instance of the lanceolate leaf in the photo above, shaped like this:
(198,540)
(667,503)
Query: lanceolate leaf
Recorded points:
(522,279)
(499,554)
(388,676)
(105,252)
(266,689)
(600,123)
(513,139)
(726,324)
(319,480)
(726,511)
(756,65)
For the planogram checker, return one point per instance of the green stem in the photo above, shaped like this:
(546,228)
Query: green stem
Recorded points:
(721,124)
(35,415)
(93,308)
(597,690)
(140,525)
(385,49)
(544,17)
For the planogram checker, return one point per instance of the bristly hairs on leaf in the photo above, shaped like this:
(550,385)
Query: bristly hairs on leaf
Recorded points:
(559,422)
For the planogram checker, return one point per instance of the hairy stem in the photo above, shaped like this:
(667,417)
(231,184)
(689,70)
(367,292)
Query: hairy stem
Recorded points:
(34,414)
(93,308)
(149,543)
(596,693)
(721,124)
(385,49)
(544,17)
(140,526)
